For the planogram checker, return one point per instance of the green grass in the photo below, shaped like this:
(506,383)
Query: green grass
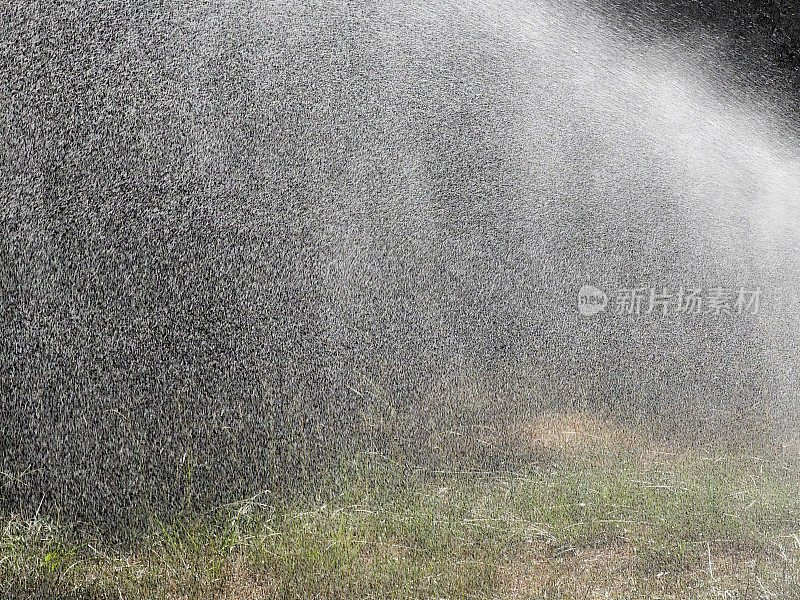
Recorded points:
(596,515)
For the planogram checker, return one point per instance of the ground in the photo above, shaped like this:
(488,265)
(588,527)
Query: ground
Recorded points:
(595,511)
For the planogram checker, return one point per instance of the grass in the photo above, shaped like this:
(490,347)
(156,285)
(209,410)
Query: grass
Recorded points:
(594,511)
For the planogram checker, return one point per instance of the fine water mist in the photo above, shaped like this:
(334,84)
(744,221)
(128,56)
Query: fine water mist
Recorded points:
(233,233)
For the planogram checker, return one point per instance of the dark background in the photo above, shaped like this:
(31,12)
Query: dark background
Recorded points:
(760,39)
(168,216)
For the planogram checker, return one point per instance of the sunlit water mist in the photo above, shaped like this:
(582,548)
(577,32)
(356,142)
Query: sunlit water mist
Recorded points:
(241,230)
(564,153)
(713,175)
